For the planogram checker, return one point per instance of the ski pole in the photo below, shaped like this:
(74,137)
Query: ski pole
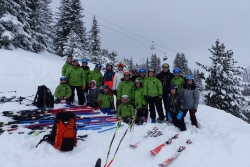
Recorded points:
(9,91)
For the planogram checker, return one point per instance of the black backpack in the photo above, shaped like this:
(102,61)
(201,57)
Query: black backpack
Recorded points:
(43,98)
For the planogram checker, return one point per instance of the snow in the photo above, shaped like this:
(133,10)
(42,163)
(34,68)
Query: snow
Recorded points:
(222,139)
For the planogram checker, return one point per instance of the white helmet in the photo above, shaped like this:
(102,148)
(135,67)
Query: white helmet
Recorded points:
(125,97)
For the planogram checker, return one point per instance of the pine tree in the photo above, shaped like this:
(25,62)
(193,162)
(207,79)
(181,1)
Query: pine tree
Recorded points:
(181,62)
(40,20)
(224,83)
(131,65)
(70,18)
(14,26)
(73,46)
(190,72)
(94,43)
(153,62)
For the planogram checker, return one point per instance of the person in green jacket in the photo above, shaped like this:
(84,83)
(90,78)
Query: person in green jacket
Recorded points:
(140,103)
(96,75)
(126,87)
(106,100)
(153,95)
(76,80)
(142,75)
(125,110)
(177,79)
(63,92)
(67,65)
(87,71)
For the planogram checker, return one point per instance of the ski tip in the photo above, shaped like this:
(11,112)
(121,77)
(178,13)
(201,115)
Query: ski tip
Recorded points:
(98,162)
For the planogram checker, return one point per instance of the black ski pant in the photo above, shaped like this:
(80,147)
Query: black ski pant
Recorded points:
(165,101)
(142,112)
(155,102)
(179,123)
(79,94)
(192,117)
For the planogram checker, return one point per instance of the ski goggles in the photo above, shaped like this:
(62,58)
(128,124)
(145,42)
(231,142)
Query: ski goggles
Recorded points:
(142,71)
(63,78)
(92,83)
(165,65)
(75,60)
(177,70)
(189,77)
(85,61)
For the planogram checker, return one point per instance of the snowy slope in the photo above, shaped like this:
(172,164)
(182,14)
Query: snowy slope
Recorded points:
(222,140)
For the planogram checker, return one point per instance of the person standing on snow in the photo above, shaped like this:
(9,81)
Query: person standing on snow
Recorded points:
(96,75)
(63,92)
(126,87)
(153,96)
(86,70)
(190,95)
(175,108)
(178,79)
(67,65)
(94,92)
(135,75)
(108,77)
(140,103)
(76,80)
(106,100)
(165,76)
(117,78)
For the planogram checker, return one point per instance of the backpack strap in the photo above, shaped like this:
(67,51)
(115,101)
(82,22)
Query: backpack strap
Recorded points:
(34,102)
(45,138)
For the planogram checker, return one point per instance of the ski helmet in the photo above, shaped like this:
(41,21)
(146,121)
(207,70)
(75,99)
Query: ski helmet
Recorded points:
(126,73)
(125,97)
(109,64)
(176,70)
(98,66)
(134,71)
(173,86)
(105,87)
(165,65)
(189,77)
(63,78)
(74,60)
(142,70)
(120,65)
(85,61)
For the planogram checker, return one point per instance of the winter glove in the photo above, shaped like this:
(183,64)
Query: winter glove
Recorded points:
(146,98)
(169,117)
(179,115)
(83,86)
(65,98)
(99,101)
(118,102)
(61,98)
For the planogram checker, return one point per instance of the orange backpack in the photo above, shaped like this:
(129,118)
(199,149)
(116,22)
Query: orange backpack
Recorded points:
(63,135)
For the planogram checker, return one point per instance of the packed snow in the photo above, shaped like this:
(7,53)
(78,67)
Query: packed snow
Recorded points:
(221,140)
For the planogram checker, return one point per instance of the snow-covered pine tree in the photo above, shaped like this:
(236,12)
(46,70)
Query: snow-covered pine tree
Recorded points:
(14,26)
(104,57)
(224,83)
(94,43)
(73,46)
(158,67)
(153,62)
(181,62)
(40,20)
(69,18)
(131,64)
(199,80)
(147,64)
(190,72)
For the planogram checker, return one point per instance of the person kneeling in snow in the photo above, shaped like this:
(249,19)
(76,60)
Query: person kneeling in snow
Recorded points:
(190,94)
(175,108)
(106,100)
(125,110)
(94,92)
(63,92)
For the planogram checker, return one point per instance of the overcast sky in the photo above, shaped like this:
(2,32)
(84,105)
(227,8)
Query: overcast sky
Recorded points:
(190,27)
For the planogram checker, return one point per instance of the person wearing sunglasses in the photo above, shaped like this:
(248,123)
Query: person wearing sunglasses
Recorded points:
(67,64)
(96,75)
(63,92)
(190,95)
(76,80)
(118,77)
(178,79)
(165,76)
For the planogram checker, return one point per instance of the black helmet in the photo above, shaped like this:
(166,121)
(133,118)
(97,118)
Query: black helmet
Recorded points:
(105,87)
(173,86)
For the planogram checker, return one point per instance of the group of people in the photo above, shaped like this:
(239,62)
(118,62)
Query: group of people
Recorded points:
(136,94)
